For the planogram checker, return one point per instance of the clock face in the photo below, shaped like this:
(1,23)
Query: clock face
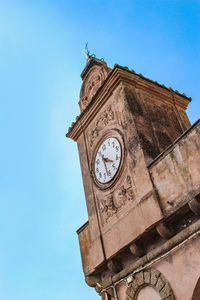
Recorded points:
(107,160)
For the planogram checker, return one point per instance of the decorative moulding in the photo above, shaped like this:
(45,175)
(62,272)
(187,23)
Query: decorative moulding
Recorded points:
(98,96)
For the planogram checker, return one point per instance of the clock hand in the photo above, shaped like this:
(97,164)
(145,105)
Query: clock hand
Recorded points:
(104,161)
(108,160)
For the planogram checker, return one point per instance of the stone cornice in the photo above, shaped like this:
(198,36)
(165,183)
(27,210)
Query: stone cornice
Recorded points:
(123,75)
(82,227)
(152,256)
(147,85)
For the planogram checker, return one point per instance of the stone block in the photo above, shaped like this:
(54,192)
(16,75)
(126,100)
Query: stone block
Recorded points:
(139,277)
(154,276)
(160,284)
(130,291)
(166,291)
(134,285)
(147,277)
(128,297)
(171,297)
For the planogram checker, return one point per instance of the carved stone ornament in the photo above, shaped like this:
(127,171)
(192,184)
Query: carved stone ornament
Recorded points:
(91,84)
(152,278)
(112,203)
(105,117)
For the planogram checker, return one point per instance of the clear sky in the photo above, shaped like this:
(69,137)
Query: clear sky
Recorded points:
(41,194)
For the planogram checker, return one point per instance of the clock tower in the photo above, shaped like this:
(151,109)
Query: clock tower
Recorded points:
(126,123)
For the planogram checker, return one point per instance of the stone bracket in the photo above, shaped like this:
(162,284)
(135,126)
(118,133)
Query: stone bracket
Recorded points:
(136,250)
(92,280)
(194,205)
(164,231)
(114,265)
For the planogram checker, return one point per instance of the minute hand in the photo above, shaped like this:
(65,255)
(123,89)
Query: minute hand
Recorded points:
(104,161)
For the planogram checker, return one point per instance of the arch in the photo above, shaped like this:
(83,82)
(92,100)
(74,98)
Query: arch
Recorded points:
(196,293)
(152,278)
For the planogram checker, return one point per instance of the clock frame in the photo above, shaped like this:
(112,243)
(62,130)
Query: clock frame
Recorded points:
(113,133)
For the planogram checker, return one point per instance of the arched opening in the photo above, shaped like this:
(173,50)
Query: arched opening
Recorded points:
(196,293)
(149,284)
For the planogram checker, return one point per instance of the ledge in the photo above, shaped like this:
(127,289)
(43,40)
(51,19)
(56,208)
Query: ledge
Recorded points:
(172,146)
(155,253)
(82,227)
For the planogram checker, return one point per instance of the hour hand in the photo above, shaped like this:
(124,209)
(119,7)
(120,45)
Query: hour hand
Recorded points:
(107,159)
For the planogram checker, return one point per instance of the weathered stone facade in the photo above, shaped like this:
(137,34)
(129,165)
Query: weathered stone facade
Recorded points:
(142,236)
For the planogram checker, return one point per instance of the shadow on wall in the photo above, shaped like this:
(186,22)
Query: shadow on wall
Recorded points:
(196,293)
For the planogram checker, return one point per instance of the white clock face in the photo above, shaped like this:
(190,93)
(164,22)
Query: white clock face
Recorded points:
(107,160)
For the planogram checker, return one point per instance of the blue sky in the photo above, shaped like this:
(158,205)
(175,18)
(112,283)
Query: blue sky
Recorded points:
(41,193)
